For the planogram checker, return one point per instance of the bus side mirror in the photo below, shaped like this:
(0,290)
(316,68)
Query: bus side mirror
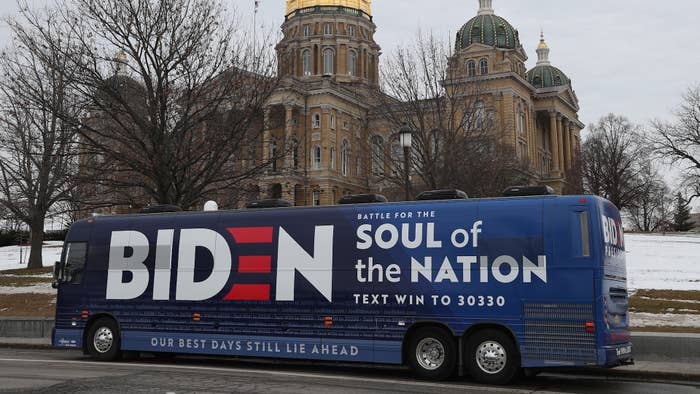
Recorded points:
(56,270)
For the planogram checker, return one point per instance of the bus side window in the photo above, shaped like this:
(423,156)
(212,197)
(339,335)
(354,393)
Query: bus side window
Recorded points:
(76,254)
(579,234)
(585,239)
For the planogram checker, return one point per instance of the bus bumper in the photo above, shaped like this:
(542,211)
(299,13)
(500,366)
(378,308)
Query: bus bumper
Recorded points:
(69,338)
(618,355)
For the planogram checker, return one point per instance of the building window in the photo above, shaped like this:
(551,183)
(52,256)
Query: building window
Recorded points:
(351,31)
(346,124)
(333,158)
(521,123)
(501,36)
(307,30)
(306,60)
(377,156)
(317,198)
(479,115)
(316,157)
(352,63)
(328,29)
(273,154)
(345,157)
(316,121)
(484,66)
(332,122)
(476,35)
(328,59)
(471,68)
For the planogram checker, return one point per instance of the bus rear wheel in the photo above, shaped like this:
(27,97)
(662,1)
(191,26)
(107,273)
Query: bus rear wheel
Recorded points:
(432,353)
(491,357)
(103,340)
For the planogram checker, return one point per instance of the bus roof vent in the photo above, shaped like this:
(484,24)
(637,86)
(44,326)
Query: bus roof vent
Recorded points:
(521,191)
(272,203)
(362,199)
(161,208)
(442,195)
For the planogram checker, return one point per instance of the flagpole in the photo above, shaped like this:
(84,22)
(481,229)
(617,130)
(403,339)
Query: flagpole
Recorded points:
(255,27)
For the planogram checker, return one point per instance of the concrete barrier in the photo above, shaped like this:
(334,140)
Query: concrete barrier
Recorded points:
(26,327)
(647,346)
(661,346)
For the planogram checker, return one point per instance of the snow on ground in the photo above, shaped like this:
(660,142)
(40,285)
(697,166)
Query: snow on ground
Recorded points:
(10,255)
(40,288)
(663,262)
(640,319)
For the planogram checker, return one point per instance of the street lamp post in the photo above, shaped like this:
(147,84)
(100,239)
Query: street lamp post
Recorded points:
(406,137)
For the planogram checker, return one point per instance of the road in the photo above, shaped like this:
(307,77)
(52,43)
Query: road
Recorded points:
(60,371)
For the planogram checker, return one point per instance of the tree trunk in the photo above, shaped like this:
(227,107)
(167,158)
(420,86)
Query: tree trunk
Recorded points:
(37,242)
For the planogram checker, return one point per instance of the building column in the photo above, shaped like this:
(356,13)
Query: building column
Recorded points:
(554,144)
(567,144)
(288,136)
(560,139)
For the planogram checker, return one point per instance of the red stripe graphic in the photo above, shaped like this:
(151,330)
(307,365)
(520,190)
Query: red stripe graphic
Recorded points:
(255,264)
(241,292)
(251,235)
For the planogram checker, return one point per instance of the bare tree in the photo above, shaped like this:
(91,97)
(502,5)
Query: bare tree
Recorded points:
(37,142)
(176,91)
(652,210)
(451,121)
(611,161)
(679,141)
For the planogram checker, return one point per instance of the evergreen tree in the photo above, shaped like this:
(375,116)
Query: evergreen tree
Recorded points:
(681,215)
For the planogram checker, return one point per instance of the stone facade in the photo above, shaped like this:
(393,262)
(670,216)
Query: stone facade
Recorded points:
(320,121)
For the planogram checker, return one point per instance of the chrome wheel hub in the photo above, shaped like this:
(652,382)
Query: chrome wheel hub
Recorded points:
(491,357)
(103,339)
(430,354)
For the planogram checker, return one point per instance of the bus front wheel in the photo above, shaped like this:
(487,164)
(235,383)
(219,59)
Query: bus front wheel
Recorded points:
(432,353)
(491,357)
(103,340)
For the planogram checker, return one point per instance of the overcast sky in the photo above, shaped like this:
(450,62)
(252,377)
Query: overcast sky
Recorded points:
(630,57)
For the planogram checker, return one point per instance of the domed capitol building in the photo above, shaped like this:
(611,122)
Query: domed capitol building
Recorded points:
(322,117)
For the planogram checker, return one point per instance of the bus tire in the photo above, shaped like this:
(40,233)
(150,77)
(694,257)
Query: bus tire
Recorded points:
(491,357)
(103,340)
(432,353)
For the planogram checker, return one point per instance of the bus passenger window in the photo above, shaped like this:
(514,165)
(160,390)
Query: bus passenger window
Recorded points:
(585,241)
(76,254)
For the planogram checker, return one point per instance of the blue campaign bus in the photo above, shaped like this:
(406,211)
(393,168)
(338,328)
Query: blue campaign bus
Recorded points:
(485,287)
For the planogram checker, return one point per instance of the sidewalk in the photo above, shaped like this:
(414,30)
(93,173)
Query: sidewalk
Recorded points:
(645,370)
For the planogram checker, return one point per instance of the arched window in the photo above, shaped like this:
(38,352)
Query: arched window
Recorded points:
(316,157)
(345,157)
(557,80)
(306,61)
(328,59)
(377,156)
(316,121)
(273,154)
(479,115)
(352,63)
(484,66)
(333,158)
(476,35)
(471,68)
(501,36)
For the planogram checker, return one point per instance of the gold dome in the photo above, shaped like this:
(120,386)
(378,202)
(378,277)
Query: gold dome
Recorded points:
(362,5)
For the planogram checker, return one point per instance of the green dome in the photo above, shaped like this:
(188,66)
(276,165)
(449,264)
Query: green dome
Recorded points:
(488,29)
(547,76)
